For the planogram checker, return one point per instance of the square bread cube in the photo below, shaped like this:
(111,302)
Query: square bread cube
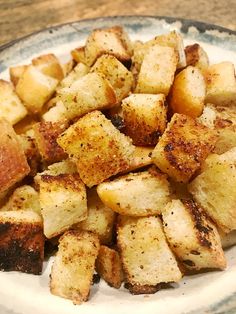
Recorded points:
(78,55)
(192,236)
(49,65)
(90,92)
(73,267)
(182,148)
(109,266)
(146,257)
(13,163)
(145,117)
(21,242)
(116,73)
(215,189)
(197,57)
(78,71)
(41,88)
(16,72)
(63,202)
(221,84)
(157,71)
(11,107)
(98,148)
(57,113)
(136,194)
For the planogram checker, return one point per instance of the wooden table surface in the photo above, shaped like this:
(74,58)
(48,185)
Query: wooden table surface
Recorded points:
(21,17)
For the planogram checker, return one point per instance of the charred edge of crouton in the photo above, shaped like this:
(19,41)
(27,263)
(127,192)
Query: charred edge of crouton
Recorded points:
(71,181)
(145,289)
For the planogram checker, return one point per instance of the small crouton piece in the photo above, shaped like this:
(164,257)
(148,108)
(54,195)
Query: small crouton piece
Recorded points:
(89,93)
(73,267)
(63,202)
(197,57)
(145,118)
(23,198)
(13,163)
(21,242)
(16,72)
(113,41)
(78,55)
(79,71)
(157,71)
(11,108)
(192,236)
(182,148)
(140,158)
(221,84)
(136,194)
(58,113)
(215,189)
(109,267)
(46,134)
(100,219)
(116,73)
(188,92)
(146,257)
(98,148)
(49,65)
(41,88)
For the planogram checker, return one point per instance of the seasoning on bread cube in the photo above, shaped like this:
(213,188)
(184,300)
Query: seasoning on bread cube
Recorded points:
(136,194)
(157,71)
(192,236)
(182,148)
(196,56)
(88,93)
(146,257)
(145,117)
(49,65)
(98,148)
(21,241)
(221,84)
(215,189)
(74,265)
(188,92)
(41,88)
(63,202)
(13,163)
(11,107)
(109,266)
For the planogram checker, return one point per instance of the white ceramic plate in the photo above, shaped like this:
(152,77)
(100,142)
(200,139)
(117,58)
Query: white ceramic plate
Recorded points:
(213,292)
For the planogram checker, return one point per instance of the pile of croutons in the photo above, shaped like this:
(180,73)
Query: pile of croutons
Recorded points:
(123,159)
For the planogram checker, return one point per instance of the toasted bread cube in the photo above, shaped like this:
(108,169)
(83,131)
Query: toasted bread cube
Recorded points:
(23,198)
(46,134)
(215,189)
(100,219)
(197,57)
(16,72)
(63,202)
(113,41)
(78,54)
(192,236)
(62,167)
(157,71)
(49,65)
(21,242)
(227,239)
(41,88)
(79,71)
(146,257)
(89,93)
(183,147)
(188,92)
(136,194)
(140,158)
(145,117)
(116,73)
(109,266)
(13,163)
(221,84)
(99,149)
(58,113)
(11,107)
(73,268)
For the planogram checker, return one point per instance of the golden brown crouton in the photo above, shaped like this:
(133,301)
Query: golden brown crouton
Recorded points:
(197,57)
(49,65)
(56,114)
(97,147)
(182,148)
(78,55)
(78,71)
(73,268)
(192,236)
(16,72)
(145,117)
(21,242)
(136,194)
(109,267)
(13,163)
(146,257)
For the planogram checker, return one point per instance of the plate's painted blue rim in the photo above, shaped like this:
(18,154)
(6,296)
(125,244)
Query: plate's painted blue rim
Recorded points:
(186,24)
